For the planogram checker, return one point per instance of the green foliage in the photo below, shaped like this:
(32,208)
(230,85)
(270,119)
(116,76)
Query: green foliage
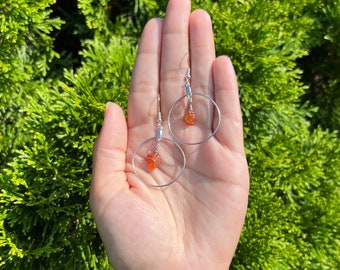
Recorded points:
(52,105)
(45,187)
(322,67)
(25,51)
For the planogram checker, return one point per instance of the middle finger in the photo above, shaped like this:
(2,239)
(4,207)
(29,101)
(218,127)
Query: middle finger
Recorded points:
(174,57)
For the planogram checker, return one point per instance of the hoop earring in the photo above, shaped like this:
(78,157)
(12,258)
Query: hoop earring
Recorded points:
(158,161)
(196,116)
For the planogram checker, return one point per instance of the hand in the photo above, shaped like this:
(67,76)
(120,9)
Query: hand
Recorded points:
(196,222)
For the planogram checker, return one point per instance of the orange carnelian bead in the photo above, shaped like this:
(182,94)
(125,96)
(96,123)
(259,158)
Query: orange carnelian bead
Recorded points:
(190,117)
(153,160)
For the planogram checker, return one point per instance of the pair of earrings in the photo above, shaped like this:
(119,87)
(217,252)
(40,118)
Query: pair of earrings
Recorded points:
(189,123)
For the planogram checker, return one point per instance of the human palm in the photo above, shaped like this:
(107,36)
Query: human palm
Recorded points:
(194,223)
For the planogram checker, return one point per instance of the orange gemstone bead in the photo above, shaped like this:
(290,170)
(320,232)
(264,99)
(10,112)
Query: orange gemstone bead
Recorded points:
(190,117)
(153,160)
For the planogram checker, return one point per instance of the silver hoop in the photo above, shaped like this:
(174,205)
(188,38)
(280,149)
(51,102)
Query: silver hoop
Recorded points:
(146,175)
(211,134)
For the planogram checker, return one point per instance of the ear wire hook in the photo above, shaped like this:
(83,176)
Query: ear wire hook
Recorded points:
(190,116)
(159,133)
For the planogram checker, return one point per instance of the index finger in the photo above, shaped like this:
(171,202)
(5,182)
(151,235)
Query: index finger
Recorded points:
(142,108)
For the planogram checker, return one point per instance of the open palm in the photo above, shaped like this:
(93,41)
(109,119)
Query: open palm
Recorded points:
(195,223)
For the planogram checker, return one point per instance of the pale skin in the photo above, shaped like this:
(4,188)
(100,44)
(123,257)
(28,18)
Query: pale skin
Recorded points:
(196,222)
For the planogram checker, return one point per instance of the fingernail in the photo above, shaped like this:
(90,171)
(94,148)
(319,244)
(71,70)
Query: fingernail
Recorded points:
(108,104)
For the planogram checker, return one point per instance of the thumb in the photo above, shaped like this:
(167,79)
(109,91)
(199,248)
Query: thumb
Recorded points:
(108,175)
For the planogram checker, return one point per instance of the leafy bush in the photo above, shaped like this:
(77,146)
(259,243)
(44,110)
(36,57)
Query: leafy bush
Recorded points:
(25,50)
(322,67)
(52,97)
